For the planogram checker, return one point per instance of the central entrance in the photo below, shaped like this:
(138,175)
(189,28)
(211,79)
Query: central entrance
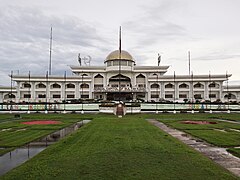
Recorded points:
(120,88)
(122,96)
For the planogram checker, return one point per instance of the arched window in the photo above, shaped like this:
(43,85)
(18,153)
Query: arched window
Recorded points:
(70,86)
(84,85)
(183,85)
(26,85)
(8,96)
(198,85)
(230,96)
(40,85)
(140,80)
(212,85)
(169,85)
(56,86)
(155,86)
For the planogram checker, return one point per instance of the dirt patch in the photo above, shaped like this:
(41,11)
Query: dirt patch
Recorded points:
(41,122)
(198,122)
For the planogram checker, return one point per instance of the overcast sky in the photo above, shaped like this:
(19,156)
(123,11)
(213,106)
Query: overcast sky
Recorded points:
(210,29)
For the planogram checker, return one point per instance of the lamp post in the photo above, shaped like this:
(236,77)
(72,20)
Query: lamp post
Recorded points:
(157,93)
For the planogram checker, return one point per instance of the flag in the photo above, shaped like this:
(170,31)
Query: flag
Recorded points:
(159,59)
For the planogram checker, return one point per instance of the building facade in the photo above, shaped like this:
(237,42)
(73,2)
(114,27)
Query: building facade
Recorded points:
(120,79)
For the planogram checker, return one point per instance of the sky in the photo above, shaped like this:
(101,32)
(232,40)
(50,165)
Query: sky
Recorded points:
(209,29)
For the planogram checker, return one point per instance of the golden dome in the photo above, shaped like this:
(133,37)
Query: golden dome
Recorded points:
(115,55)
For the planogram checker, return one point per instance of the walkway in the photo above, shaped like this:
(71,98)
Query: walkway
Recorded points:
(217,154)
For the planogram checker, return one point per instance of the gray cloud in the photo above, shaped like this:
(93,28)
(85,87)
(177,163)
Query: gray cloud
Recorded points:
(25,36)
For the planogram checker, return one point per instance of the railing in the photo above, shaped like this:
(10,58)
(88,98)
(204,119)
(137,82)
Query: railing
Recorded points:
(116,89)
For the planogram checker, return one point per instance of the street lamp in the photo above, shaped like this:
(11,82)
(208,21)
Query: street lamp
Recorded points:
(157,93)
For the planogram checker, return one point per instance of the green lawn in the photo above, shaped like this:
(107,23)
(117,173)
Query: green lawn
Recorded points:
(13,133)
(234,151)
(222,134)
(125,148)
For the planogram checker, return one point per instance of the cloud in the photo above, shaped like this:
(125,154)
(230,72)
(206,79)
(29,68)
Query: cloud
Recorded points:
(25,40)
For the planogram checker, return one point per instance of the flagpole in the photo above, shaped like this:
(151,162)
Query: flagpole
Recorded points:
(189,65)
(119,65)
(50,54)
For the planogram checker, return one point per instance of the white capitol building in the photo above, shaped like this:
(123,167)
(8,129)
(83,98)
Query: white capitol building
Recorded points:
(120,79)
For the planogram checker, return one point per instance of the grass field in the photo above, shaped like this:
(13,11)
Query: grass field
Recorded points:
(14,134)
(113,148)
(222,134)
(234,151)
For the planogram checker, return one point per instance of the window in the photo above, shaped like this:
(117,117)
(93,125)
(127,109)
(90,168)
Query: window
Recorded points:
(41,85)
(114,85)
(11,96)
(42,96)
(130,63)
(198,85)
(26,85)
(56,96)
(212,96)
(85,96)
(115,63)
(56,86)
(183,85)
(70,86)
(84,86)
(168,96)
(123,63)
(197,96)
(141,85)
(182,96)
(70,96)
(98,85)
(154,96)
(169,86)
(27,96)
(154,86)
(109,63)
(212,85)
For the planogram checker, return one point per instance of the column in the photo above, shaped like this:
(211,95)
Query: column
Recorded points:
(77,90)
(18,92)
(162,90)
(63,91)
(206,93)
(33,94)
(176,91)
(220,91)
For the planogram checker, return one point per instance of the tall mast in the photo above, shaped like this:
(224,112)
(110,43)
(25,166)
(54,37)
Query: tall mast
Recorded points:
(50,54)
(189,65)
(119,62)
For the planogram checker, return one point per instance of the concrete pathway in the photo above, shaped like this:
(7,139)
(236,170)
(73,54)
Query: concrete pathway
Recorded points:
(224,120)
(217,154)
